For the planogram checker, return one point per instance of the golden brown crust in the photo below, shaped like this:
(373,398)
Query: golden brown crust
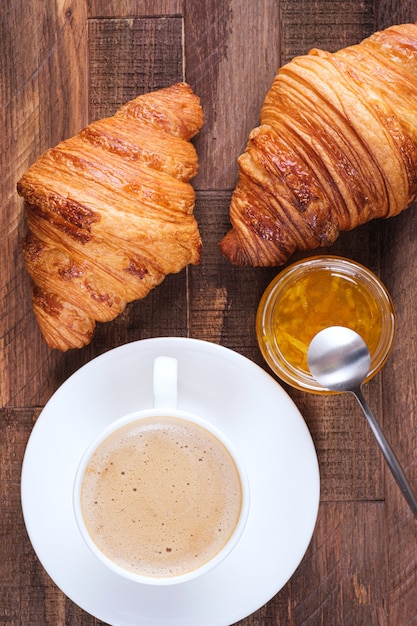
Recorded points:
(110,213)
(337,147)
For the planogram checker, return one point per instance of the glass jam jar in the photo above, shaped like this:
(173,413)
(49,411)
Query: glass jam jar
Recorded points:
(311,295)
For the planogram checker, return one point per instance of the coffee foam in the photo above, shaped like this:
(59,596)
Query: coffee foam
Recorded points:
(161,496)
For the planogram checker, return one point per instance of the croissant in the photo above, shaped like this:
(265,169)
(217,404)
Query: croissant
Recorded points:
(337,147)
(110,214)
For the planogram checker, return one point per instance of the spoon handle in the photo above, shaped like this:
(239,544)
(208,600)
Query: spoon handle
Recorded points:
(388,452)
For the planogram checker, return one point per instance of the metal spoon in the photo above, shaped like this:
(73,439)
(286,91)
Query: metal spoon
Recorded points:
(339,360)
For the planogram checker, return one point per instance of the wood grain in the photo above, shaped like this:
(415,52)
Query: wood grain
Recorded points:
(66,62)
(231,82)
(398,270)
(389,12)
(44,99)
(329,24)
(134,8)
(123,63)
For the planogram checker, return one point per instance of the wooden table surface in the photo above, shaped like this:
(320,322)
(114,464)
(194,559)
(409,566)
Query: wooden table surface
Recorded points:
(67,62)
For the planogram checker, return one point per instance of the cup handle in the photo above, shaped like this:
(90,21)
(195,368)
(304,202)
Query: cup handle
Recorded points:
(165,382)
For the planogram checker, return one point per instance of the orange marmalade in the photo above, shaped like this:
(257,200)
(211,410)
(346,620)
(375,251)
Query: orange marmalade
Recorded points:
(311,295)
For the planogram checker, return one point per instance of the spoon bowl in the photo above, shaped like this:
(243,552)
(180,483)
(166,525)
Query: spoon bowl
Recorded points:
(339,360)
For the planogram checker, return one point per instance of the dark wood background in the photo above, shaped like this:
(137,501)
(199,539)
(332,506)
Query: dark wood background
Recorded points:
(66,62)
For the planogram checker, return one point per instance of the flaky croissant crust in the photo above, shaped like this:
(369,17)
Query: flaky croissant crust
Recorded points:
(110,213)
(337,147)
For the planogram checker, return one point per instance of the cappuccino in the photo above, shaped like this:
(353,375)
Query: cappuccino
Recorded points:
(161,496)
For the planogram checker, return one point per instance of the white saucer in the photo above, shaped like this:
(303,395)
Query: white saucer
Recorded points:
(253,411)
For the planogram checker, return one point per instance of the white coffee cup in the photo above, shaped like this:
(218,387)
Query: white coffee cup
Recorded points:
(170,514)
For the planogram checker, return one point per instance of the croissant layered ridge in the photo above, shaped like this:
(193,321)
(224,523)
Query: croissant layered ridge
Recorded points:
(110,214)
(336,147)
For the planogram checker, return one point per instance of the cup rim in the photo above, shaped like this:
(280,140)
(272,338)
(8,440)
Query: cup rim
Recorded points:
(212,562)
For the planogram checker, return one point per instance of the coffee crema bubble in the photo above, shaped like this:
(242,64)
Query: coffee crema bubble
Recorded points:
(161,496)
